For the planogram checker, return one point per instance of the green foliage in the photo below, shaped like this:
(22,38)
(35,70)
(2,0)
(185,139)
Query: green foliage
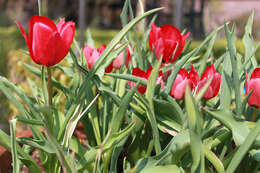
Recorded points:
(127,131)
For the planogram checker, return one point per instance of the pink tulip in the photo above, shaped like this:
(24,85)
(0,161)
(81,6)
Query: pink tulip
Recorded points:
(92,54)
(163,40)
(254,84)
(47,42)
(182,80)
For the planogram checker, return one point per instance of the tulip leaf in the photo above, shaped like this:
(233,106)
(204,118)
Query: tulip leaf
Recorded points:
(239,128)
(195,130)
(128,77)
(39,144)
(243,149)
(29,121)
(203,61)
(249,42)
(164,169)
(121,112)
(152,81)
(24,157)
(15,160)
(236,82)
(174,149)
(225,92)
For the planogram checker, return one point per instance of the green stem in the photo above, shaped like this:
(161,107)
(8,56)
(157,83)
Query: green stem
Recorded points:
(39,7)
(49,86)
(254,114)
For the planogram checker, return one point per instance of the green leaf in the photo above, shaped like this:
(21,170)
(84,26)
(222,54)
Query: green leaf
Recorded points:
(243,149)
(195,130)
(39,144)
(163,169)
(24,157)
(239,128)
(203,61)
(15,160)
(115,138)
(118,117)
(234,64)
(151,84)
(249,42)
(29,121)
(174,149)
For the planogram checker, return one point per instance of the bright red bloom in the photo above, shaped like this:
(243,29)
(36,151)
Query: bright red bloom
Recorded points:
(182,80)
(254,84)
(47,42)
(164,40)
(145,75)
(214,87)
(92,54)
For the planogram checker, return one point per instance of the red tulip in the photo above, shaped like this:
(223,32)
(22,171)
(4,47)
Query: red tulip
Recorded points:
(47,42)
(145,75)
(92,54)
(214,87)
(182,80)
(164,40)
(254,84)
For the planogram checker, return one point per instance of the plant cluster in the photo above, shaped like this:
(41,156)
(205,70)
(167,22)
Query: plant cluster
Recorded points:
(161,108)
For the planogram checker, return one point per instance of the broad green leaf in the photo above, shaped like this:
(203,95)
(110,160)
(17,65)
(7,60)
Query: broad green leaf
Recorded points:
(243,149)
(29,121)
(163,169)
(236,82)
(249,42)
(151,84)
(174,149)
(239,128)
(39,144)
(195,130)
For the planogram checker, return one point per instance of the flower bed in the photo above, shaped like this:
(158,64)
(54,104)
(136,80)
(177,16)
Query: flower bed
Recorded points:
(161,108)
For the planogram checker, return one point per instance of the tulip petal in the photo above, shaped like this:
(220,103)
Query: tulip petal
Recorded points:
(256,73)
(254,99)
(67,32)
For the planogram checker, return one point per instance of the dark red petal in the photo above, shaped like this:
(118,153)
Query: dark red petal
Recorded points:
(193,76)
(210,70)
(101,48)
(138,72)
(153,35)
(256,73)
(254,99)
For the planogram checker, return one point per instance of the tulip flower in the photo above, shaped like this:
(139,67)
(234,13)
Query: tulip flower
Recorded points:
(145,75)
(47,42)
(214,87)
(254,84)
(182,80)
(92,54)
(163,40)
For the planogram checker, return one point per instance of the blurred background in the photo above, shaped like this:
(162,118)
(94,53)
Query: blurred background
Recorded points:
(102,17)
